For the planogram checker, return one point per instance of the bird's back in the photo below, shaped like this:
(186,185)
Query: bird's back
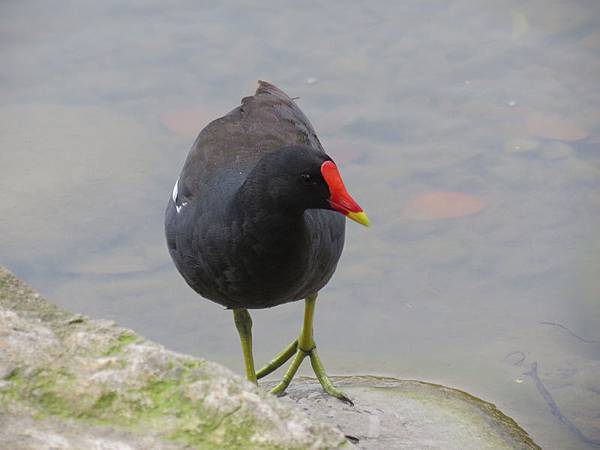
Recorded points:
(234,143)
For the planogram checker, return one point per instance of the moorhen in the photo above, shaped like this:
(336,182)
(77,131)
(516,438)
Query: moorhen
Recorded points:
(256,219)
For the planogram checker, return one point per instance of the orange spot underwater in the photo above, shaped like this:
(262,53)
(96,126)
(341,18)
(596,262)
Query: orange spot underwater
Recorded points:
(442,205)
(549,127)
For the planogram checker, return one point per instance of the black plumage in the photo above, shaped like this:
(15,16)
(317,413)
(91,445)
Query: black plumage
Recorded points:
(249,224)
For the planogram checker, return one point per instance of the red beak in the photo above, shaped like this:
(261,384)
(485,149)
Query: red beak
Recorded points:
(340,199)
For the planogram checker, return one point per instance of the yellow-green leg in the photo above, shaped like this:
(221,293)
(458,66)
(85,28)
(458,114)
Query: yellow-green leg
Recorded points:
(243,323)
(303,347)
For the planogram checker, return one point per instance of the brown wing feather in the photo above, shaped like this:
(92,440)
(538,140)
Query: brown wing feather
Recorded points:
(263,122)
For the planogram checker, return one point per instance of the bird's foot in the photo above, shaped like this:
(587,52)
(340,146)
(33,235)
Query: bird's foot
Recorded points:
(301,348)
(318,368)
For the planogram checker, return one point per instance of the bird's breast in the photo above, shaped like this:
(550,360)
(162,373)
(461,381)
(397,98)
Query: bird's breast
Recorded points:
(237,264)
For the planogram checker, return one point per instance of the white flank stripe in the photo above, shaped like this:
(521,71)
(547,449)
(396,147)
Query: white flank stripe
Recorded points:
(175,190)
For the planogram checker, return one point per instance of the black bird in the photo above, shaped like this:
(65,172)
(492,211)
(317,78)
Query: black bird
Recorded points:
(256,219)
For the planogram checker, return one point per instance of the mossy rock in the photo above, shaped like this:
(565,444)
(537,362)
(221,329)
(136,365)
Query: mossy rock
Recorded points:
(67,381)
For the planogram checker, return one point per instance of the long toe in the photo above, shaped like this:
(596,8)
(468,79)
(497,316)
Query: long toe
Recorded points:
(326,383)
(279,360)
(289,374)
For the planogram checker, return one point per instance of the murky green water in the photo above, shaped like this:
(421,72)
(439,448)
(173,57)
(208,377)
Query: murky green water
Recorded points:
(499,101)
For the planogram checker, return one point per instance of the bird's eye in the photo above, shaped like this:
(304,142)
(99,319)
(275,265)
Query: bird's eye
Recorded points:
(306,178)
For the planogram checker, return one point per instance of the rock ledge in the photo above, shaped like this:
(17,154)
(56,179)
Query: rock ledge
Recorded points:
(67,381)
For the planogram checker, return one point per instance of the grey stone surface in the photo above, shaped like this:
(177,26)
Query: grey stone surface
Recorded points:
(411,415)
(69,382)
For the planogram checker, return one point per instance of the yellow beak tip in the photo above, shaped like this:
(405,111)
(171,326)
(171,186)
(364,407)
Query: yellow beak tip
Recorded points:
(359,217)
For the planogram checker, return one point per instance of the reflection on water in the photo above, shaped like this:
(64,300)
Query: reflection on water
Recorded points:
(423,104)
